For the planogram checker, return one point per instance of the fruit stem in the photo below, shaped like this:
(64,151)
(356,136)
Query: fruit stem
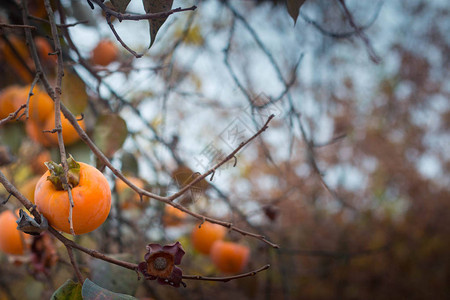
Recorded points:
(57,173)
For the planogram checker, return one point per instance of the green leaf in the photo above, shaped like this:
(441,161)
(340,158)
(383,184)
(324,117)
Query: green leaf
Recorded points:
(129,164)
(110,133)
(91,291)
(120,5)
(113,277)
(74,94)
(68,291)
(155,6)
(293,7)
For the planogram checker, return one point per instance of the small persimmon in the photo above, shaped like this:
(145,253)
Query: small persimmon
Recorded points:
(10,56)
(35,132)
(104,53)
(41,106)
(91,197)
(173,216)
(229,257)
(69,133)
(204,236)
(8,100)
(12,241)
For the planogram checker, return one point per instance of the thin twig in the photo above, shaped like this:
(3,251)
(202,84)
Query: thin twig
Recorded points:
(15,26)
(342,35)
(373,55)
(313,163)
(113,29)
(30,94)
(12,116)
(58,25)
(74,264)
(228,278)
(110,12)
(138,17)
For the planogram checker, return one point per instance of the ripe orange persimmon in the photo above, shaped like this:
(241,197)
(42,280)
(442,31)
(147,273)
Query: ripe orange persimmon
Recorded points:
(104,53)
(229,257)
(69,133)
(8,103)
(173,216)
(203,238)
(34,132)
(41,105)
(12,241)
(21,66)
(91,197)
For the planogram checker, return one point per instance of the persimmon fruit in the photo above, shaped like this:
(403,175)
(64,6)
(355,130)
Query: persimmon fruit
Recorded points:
(104,53)
(229,257)
(35,132)
(203,237)
(20,66)
(69,133)
(8,103)
(12,241)
(41,106)
(91,197)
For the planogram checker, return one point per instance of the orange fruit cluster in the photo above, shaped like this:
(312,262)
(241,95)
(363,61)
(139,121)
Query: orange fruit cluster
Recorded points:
(17,59)
(228,257)
(41,115)
(204,236)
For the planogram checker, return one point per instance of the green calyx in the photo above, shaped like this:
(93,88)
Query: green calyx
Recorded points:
(57,174)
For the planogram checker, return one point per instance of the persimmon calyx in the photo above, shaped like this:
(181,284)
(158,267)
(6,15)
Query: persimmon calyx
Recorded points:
(57,173)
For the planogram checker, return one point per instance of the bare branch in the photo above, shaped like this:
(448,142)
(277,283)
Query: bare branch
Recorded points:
(12,116)
(14,26)
(228,278)
(373,56)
